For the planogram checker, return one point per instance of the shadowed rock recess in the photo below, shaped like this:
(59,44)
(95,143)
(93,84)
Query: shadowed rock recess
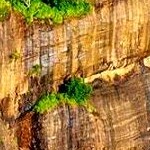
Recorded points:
(115,35)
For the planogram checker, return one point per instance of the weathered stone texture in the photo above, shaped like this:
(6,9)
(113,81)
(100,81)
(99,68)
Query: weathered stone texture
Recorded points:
(114,35)
(120,122)
(8,140)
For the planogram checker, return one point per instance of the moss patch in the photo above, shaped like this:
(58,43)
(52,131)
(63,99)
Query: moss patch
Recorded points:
(35,71)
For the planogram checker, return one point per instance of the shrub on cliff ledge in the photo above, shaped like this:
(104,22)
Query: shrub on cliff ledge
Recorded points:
(46,102)
(76,88)
(76,93)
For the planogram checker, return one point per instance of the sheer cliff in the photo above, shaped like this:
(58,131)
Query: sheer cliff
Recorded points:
(120,122)
(114,36)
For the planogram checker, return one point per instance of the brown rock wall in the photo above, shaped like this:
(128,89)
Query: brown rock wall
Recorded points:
(120,122)
(114,35)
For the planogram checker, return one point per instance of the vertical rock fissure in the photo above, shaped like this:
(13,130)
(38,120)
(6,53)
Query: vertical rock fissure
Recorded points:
(70,124)
(69,50)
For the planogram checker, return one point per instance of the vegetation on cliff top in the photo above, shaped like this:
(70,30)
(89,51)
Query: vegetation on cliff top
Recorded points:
(55,10)
(75,93)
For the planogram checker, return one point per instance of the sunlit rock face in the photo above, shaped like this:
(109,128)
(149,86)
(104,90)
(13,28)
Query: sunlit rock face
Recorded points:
(115,35)
(7,139)
(11,68)
(120,122)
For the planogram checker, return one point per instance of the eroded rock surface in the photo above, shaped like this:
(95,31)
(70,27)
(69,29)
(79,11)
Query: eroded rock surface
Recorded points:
(8,140)
(116,34)
(120,122)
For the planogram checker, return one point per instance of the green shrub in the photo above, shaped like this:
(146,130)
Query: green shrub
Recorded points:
(28,12)
(46,102)
(76,94)
(27,3)
(55,10)
(51,101)
(76,88)
(74,9)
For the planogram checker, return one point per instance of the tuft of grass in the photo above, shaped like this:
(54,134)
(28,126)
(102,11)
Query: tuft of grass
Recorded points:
(15,55)
(4,9)
(35,70)
(77,93)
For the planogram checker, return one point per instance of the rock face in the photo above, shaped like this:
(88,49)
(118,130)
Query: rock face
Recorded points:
(120,122)
(115,35)
(7,139)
